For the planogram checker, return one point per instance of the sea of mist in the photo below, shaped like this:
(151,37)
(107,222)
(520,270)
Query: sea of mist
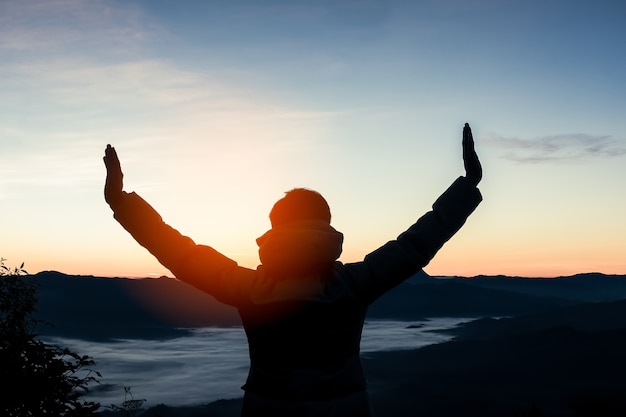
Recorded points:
(212,363)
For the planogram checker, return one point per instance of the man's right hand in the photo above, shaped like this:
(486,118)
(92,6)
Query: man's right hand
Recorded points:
(114,181)
(473,169)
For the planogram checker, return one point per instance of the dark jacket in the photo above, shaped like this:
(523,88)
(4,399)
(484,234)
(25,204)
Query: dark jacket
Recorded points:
(302,310)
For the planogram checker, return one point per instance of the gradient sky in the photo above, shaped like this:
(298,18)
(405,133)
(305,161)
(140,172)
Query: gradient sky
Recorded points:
(218,107)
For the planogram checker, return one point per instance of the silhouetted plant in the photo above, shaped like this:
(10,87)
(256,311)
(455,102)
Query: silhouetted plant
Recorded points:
(130,407)
(39,379)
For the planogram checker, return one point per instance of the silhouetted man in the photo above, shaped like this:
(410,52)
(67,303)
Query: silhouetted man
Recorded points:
(302,310)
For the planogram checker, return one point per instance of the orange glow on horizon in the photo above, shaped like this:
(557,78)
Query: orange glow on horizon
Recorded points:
(532,271)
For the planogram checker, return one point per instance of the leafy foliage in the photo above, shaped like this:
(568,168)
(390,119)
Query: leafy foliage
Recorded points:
(39,379)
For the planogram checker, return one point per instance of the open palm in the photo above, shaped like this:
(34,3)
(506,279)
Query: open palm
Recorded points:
(473,169)
(114,181)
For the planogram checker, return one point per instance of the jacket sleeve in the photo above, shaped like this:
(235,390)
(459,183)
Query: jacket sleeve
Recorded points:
(198,265)
(400,259)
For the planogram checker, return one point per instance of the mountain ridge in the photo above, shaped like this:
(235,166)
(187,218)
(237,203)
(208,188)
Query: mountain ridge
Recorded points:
(91,307)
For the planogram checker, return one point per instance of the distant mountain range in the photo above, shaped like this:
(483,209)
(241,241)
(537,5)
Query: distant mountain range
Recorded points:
(101,308)
(539,347)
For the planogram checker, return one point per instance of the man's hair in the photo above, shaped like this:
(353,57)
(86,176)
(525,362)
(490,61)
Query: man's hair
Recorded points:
(300,204)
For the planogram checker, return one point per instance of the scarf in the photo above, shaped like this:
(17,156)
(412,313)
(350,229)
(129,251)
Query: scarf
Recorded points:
(300,246)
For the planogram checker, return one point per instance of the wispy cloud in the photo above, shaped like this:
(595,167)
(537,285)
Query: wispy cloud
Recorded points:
(76,75)
(565,147)
(47,27)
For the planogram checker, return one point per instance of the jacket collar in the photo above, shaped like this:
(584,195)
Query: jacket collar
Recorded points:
(300,246)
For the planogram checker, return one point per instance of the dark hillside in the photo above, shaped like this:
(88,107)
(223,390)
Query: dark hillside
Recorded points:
(588,317)
(101,308)
(591,287)
(457,298)
(559,371)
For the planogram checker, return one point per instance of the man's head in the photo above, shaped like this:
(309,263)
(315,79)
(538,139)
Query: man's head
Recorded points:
(300,204)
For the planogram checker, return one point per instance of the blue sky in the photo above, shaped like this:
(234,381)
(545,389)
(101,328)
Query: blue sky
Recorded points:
(218,107)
